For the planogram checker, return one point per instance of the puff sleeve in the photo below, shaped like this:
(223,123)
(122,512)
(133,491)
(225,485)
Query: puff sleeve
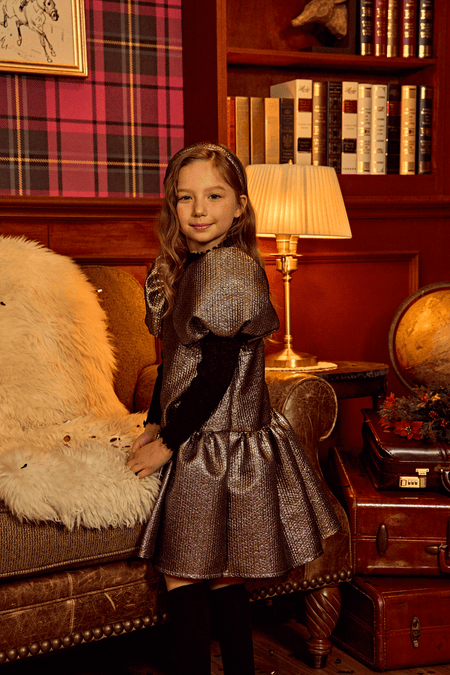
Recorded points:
(154,299)
(225,292)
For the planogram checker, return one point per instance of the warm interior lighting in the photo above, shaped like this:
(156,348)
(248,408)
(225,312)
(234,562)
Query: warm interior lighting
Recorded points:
(293,201)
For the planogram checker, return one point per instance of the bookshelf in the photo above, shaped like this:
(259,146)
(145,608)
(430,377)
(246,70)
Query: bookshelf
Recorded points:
(240,48)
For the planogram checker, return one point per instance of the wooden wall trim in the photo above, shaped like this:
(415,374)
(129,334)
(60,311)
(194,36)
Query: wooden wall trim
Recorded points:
(376,208)
(20,208)
(86,229)
(409,257)
(113,261)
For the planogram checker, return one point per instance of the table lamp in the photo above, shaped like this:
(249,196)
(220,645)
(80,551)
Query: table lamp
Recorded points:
(292,201)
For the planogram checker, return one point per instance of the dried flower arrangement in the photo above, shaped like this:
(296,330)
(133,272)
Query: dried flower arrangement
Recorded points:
(423,416)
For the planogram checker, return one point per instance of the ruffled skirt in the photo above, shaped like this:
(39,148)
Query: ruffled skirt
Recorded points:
(241,504)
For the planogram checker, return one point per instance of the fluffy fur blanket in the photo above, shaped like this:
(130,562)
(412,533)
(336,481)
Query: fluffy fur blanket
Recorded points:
(64,434)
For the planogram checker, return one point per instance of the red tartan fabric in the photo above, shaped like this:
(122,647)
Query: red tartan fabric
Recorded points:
(111,134)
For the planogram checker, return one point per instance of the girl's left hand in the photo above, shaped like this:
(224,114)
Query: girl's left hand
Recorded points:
(149,458)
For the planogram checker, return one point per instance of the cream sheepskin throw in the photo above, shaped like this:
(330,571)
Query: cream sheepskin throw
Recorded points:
(64,434)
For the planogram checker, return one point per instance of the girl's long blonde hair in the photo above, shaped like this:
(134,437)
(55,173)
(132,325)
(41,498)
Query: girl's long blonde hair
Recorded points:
(173,246)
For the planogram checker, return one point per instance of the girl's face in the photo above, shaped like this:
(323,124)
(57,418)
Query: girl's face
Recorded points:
(206,205)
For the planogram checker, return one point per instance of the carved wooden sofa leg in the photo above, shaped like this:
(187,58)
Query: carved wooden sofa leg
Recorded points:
(323,606)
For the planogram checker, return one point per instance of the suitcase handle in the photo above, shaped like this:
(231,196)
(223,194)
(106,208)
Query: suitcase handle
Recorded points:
(445,478)
(443,555)
(444,471)
(444,559)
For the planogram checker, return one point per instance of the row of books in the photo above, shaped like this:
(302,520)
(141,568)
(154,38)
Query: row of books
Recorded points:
(353,127)
(396,28)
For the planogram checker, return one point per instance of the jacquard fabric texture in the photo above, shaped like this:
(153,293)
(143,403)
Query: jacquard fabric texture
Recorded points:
(242,498)
(214,374)
(232,297)
(154,299)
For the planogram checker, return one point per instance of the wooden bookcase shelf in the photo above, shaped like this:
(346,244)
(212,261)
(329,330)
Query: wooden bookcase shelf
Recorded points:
(245,47)
(327,62)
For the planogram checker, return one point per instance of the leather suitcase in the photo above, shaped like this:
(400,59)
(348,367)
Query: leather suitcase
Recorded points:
(395,622)
(392,532)
(394,462)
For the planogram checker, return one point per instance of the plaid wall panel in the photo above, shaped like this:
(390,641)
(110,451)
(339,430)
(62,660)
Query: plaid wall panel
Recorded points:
(111,134)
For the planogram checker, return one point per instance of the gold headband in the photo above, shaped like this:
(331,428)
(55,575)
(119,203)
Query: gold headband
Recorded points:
(216,148)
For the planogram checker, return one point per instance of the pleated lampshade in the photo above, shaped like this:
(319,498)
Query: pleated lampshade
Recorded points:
(297,200)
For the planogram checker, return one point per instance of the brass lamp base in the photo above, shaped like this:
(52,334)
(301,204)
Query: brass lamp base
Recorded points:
(287,358)
(287,258)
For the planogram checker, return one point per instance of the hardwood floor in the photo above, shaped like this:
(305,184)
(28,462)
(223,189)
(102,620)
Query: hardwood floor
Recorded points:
(279,650)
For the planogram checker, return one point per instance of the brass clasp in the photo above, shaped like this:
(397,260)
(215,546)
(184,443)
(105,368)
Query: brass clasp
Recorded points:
(415,632)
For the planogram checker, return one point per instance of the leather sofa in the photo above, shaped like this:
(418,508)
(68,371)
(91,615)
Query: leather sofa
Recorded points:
(61,588)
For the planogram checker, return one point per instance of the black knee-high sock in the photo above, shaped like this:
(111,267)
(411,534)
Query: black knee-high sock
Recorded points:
(190,627)
(232,616)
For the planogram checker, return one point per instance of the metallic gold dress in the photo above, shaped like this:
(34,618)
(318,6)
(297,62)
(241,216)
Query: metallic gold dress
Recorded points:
(240,498)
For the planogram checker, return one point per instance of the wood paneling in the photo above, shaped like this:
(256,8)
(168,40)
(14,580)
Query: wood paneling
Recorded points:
(344,294)
(90,230)
(343,303)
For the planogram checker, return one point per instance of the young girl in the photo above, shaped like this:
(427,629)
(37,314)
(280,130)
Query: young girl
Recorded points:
(239,498)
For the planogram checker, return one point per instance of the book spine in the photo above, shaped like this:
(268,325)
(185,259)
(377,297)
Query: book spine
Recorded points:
(366,24)
(242,108)
(231,123)
(319,124)
(286,130)
(272,130)
(408,130)
(380,27)
(364,127)
(301,92)
(378,131)
(393,108)
(349,126)
(425,29)
(334,125)
(392,29)
(408,14)
(424,128)
(303,150)
(256,130)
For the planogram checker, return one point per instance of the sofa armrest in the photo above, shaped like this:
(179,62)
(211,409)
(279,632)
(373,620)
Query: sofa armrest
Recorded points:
(144,388)
(308,403)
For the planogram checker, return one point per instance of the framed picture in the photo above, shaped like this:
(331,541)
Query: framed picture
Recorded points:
(45,37)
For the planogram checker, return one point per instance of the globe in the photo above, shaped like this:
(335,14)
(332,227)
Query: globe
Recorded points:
(419,339)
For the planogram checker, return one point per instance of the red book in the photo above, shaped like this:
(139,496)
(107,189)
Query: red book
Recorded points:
(231,123)
(380,27)
(408,19)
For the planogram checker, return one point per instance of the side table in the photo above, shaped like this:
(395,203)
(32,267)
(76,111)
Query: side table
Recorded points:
(356,379)
(352,380)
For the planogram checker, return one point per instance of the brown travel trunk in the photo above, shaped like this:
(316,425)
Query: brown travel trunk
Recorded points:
(396,463)
(395,622)
(392,533)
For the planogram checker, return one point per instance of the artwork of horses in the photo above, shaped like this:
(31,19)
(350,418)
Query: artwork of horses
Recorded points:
(32,14)
(43,36)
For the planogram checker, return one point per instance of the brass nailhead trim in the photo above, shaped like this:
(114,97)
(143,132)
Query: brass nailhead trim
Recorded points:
(141,622)
(329,578)
(78,638)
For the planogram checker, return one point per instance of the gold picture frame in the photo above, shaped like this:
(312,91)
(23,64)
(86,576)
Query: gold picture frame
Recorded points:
(43,37)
